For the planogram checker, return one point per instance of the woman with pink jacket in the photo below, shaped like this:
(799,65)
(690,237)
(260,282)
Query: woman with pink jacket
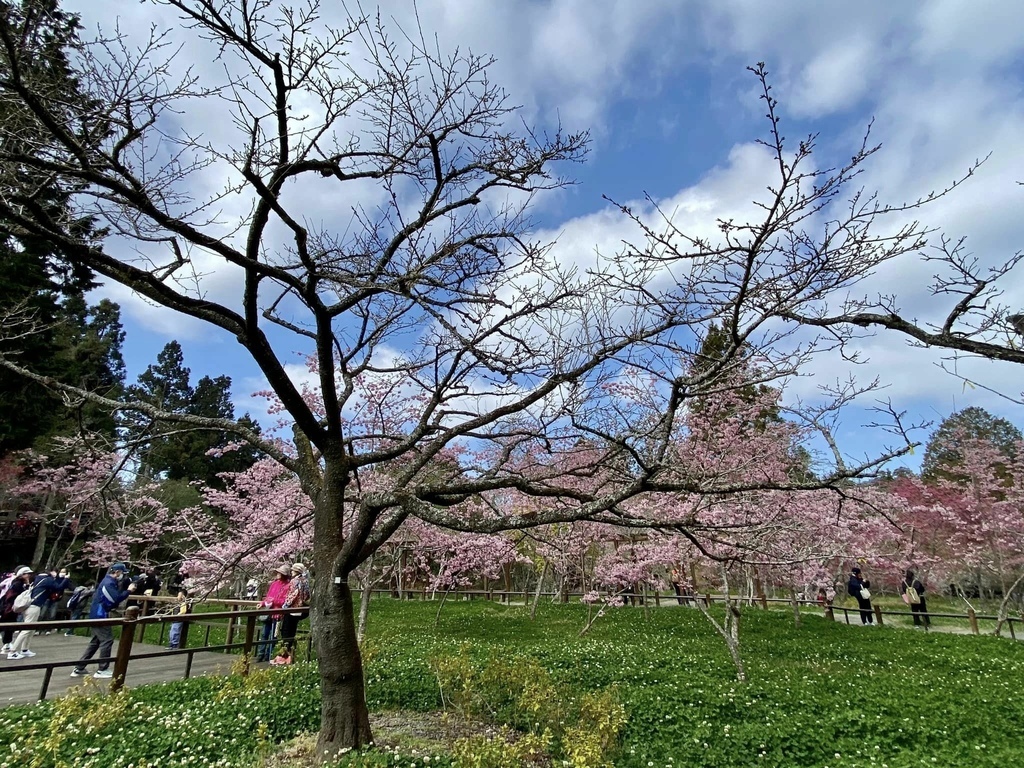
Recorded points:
(276,594)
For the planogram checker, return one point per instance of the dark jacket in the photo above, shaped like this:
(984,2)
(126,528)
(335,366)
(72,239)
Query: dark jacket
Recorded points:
(42,588)
(7,604)
(916,584)
(146,582)
(108,596)
(855,585)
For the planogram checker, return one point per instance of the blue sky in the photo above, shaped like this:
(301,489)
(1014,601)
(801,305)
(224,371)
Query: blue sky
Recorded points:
(662,87)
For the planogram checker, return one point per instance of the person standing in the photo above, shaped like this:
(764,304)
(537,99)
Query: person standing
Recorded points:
(277,593)
(174,639)
(297,597)
(178,581)
(912,592)
(859,587)
(8,617)
(108,596)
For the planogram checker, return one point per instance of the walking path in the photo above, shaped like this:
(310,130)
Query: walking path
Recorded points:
(23,687)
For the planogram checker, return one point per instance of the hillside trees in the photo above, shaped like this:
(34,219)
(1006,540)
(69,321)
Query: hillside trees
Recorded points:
(45,320)
(457,363)
(184,453)
(944,453)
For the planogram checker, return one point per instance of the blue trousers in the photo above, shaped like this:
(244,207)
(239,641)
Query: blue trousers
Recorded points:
(265,646)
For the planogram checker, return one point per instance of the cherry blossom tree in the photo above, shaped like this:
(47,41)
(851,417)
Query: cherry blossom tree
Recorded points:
(457,361)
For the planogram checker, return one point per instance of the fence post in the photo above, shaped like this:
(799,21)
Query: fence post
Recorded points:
(231,627)
(973,618)
(250,633)
(144,611)
(878,615)
(124,647)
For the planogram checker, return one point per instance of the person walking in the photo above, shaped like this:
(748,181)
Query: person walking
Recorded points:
(277,593)
(859,587)
(298,597)
(108,596)
(912,592)
(8,616)
(40,595)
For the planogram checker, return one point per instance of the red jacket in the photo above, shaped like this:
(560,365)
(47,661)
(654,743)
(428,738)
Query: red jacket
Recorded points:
(276,594)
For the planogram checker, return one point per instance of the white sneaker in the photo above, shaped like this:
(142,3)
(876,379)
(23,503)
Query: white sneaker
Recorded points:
(103,674)
(14,656)
(28,654)
(77,673)
(7,647)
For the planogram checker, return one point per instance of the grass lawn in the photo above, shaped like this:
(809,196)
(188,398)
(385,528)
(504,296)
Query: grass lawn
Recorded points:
(826,694)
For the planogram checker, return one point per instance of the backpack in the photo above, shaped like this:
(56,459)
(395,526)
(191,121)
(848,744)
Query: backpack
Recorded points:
(913,598)
(5,586)
(22,601)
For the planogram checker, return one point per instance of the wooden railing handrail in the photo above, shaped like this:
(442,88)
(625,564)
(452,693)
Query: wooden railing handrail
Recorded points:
(132,618)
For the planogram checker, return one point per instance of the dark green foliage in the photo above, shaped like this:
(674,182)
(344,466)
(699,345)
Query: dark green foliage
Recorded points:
(942,454)
(178,451)
(47,324)
(723,360)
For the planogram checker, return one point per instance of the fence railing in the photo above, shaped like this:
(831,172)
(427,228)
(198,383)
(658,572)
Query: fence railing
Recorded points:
(971,617)
(133,626)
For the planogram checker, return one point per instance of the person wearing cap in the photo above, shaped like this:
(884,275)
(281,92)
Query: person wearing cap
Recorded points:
(20,581)
(108,596)
(277,592)
(858,587)
(40,594)
(298,597)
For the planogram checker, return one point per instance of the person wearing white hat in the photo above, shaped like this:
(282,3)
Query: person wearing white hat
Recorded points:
(19,582)
(277,592)
(39,592)
(298,597)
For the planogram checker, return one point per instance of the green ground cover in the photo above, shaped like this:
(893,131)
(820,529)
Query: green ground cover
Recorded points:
(826,694)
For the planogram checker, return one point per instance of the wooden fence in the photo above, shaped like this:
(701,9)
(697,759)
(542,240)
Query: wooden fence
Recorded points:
(133,627)
(971,617)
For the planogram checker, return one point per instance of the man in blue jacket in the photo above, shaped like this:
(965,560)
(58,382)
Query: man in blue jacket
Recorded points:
(108,596)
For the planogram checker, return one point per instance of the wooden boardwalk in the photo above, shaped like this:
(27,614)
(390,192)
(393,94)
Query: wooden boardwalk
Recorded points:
(22,687)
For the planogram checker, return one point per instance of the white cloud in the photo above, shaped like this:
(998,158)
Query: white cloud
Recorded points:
(942,80)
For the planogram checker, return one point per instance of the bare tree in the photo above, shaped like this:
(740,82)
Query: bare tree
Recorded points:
(458,366)
(974,321)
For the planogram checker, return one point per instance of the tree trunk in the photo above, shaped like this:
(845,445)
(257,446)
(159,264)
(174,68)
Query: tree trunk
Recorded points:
(1004,606)
(364,601)
(40,550)
(536,594)
(344,718)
